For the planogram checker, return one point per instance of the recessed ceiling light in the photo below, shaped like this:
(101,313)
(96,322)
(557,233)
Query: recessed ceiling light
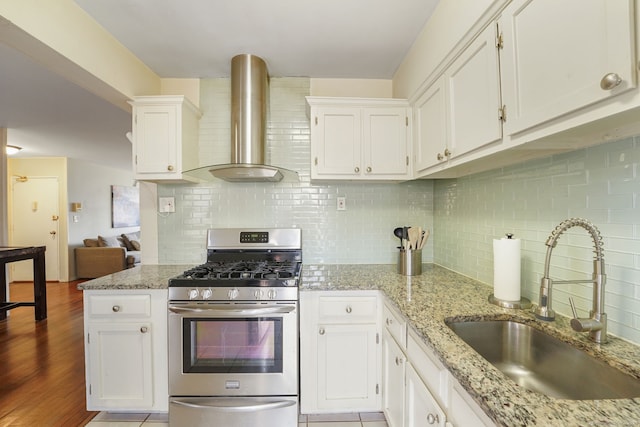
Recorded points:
(12,149)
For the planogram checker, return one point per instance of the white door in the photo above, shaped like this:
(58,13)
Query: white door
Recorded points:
(385,137)
(35,223)
(555,54)
(430,125)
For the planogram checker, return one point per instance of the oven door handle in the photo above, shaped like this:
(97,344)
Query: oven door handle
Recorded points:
(232,310)
(226,405)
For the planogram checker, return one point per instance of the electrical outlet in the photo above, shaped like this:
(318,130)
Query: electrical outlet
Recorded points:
(166,204)
(342,203)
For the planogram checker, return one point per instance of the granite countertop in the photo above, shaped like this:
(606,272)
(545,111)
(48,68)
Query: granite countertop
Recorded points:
(427,301)
(440,294)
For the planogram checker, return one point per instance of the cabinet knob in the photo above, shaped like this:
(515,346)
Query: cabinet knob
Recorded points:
(433,419)
(447,153)
(610,81)
(389,321)
(369,169)
(399,360)
(115,308)
(357,169)
(440,156)
(144,329)
(321,331)
(349,309)
(170,168)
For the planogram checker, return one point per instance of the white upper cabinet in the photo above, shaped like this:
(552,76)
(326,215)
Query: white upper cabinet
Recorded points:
(461,111)
(165,138)
(359,139)
(559,56)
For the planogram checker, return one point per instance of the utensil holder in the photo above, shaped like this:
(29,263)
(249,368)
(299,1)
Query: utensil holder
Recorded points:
(410,262)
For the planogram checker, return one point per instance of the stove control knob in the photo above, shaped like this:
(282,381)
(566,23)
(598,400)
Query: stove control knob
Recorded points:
(206,294)
(272,294)
(193,293)
(233,293)
(258,293)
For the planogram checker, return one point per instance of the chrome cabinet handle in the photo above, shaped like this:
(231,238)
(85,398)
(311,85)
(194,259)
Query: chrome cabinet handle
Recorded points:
(170,168)
(440,156)
(115,308)
(610,81)
(349,310)
(369,169)
(447,153)
(389,321)
(321,331)
(144,329)
(357,169)
(399,360)
(432,419)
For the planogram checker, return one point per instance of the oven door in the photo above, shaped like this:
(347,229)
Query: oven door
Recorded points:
(233,349)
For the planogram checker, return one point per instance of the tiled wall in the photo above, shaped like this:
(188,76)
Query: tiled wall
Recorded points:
(361,234)
(601,184)
(466,214)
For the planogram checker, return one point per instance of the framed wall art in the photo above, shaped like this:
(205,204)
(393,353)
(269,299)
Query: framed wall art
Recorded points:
(125,206)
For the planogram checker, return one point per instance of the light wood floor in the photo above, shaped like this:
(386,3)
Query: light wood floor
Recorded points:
(42,363)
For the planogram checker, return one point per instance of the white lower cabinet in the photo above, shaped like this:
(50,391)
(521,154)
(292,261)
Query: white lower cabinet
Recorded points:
(421,409)
(339,352)
(126,350)
(393,380)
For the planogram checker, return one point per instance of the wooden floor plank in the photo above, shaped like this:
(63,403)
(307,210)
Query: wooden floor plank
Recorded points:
(42,379)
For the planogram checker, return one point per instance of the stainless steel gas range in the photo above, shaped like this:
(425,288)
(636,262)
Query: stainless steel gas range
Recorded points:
(233,332)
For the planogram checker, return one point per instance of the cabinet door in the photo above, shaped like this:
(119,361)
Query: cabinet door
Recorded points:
(473,88)
(555,55)
(430,124)
(347,363)
(421,409)
(155,139)
(120,366)
(336,142)
(393,365)
(385,142)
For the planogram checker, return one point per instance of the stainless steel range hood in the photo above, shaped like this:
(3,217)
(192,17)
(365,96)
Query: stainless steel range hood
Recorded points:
(249,102)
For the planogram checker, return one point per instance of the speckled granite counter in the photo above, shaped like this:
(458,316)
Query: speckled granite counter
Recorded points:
(438,295)
(140,277)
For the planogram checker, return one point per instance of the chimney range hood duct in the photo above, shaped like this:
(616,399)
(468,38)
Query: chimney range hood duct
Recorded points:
(249,101)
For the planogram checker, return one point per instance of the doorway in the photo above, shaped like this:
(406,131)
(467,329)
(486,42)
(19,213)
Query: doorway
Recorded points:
(35,222)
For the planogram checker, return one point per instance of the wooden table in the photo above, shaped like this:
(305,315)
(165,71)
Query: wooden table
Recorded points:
(35,253)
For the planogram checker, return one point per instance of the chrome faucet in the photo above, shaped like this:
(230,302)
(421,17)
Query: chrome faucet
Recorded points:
(596,324)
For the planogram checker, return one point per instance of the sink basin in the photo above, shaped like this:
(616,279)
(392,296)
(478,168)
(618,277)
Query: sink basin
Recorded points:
(544,364)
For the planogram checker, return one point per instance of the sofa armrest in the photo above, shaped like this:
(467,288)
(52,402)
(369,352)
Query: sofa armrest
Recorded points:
(98,262)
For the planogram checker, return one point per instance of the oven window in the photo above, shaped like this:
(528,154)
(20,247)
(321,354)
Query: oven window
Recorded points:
(239,345)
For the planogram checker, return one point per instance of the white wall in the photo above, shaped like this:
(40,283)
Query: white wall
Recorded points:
(90,184)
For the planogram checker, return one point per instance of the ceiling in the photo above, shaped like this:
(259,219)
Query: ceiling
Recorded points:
(49,116)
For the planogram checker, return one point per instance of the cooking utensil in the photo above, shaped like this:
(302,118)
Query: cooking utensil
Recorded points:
(413,235)
(424,238)
(399,233)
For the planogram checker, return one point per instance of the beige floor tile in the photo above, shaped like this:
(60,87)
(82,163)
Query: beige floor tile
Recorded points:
(333,417)
(335,424)
(374,424)
(372,416)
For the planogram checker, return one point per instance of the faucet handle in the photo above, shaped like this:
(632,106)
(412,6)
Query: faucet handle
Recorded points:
(573,308)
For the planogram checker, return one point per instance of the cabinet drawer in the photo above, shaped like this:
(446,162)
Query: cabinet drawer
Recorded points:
(396,325)
(115,306)
(347,309)
(432,372)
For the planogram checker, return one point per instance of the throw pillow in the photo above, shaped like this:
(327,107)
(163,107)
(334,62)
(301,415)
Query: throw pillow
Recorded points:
(136,245)
(127,242)
(109,242)
(90,243)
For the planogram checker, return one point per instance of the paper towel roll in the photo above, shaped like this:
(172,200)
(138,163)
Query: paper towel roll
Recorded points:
(506,269)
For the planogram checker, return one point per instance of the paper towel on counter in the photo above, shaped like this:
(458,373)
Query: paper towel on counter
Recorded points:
(506,269)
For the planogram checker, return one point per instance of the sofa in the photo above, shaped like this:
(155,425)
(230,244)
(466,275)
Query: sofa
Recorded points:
(106,255)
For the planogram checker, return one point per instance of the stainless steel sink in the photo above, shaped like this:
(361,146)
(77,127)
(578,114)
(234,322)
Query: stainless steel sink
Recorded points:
(544,364)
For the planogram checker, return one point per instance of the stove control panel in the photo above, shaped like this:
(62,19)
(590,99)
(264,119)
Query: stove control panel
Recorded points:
(254,237)
(222,294)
